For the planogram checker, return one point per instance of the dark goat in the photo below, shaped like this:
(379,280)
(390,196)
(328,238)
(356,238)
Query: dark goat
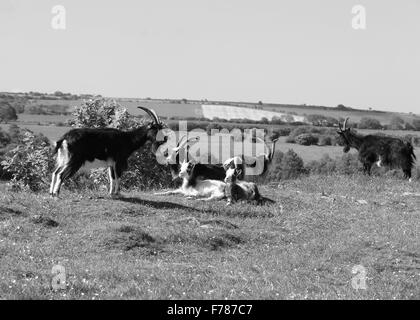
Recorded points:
(113,146)
(388,151)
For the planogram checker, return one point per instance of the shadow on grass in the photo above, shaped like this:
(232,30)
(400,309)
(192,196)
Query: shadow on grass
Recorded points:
(158,204)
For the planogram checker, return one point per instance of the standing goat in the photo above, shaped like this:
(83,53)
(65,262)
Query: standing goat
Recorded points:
(388,151)
(112,146)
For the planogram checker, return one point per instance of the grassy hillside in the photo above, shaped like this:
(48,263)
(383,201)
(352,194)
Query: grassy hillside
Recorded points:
(150,247)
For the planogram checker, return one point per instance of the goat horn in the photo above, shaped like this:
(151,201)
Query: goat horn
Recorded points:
(151,113)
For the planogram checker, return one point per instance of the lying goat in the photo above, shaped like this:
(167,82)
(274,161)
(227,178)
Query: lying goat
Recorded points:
(240,190)
(112,146)
(241,163)
(388,151)
(201,171)
(194,186)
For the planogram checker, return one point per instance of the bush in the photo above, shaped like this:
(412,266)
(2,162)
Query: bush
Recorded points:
(325,140)
(7,112)
(285,166)
(349,164)
(29,162)
(274,171)
(291,165)
(325,166)
(369,123)
(306,139)
(416,124)
(397,123)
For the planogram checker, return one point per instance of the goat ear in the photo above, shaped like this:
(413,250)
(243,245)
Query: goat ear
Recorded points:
(238,172)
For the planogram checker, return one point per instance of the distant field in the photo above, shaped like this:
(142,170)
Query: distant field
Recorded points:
(167,108)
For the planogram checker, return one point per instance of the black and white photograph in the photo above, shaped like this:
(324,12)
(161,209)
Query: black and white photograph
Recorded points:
(227,152)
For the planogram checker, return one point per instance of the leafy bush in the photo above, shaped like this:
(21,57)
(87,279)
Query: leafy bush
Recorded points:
(291,165)
(397,123)
(348,164)
(325,140)
(369,123)
(29,162)
(7,112)
(285,166)
(325,166)
(306,139)
(416,124)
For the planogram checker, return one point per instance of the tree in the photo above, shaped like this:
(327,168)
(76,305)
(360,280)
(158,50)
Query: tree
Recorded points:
(7,112)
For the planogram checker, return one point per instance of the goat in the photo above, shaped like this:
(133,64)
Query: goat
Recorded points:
(194,186)
(200,171)
(242,190)
(388,151)
(239,162)
(113,146)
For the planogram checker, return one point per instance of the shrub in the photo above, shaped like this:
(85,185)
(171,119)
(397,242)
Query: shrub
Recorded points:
(416,124)
(7,112)
(29,162)
(325,140)
(369,123)
(349,164)
(397,123)
(306,139)
(285,166)
(291,165)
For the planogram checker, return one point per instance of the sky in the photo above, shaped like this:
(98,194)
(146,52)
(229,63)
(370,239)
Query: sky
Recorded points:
(280,51)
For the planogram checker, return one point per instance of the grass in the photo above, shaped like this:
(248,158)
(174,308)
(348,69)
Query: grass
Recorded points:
(143,246)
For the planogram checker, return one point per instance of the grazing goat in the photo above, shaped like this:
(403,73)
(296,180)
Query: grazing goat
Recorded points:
(388,151)
(194,186)
(113,146)
(240,190)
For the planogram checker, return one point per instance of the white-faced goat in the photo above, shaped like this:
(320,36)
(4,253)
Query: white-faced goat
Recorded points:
(382,150)
(200,171)
(194,186)
(112,146)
